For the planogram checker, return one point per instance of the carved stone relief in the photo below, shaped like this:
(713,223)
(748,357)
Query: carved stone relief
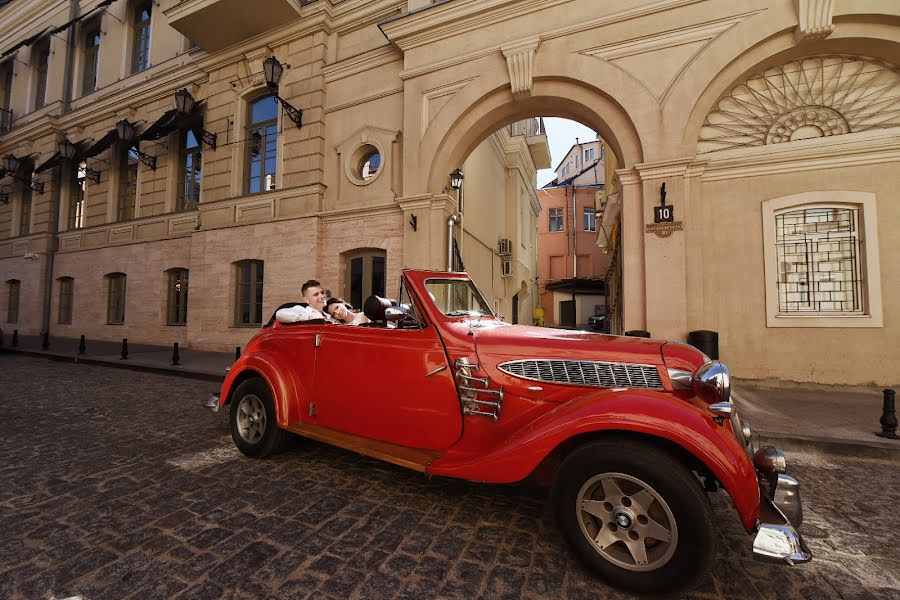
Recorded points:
(815,19)
(819,96)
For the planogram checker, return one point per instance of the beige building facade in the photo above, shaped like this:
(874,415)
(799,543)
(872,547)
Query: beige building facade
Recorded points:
(772,124)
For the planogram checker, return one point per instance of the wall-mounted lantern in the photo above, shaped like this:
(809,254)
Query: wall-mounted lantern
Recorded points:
(126,131)
(272,70)
(184,104)
(68,150)
(11,164)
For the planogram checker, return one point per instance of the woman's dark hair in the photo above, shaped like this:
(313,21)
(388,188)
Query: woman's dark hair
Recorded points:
(331,301)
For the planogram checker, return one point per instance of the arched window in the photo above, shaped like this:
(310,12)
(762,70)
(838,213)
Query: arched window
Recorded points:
(366,272)
(66,295)
(249,293)
(13,287)
(262,144)
(177,284)
(90,55)
(115,298)
(140,49)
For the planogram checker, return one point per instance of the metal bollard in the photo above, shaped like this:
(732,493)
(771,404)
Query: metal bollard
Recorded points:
(237,352)
(124,349)
(175,357)
(888,418)
(45,342)
(15,341)
(82,348)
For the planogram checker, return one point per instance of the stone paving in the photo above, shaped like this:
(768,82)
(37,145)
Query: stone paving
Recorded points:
(116,484)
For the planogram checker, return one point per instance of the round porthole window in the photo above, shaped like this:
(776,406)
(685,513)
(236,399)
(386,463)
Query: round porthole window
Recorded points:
(365,164)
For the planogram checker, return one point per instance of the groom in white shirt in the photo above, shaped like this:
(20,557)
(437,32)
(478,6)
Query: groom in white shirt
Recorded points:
(313,306)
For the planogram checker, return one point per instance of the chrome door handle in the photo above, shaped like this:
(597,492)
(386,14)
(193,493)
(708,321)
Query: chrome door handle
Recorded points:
(436,371)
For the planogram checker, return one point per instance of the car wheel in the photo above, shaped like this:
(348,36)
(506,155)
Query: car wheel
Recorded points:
(254,428)
(635,515)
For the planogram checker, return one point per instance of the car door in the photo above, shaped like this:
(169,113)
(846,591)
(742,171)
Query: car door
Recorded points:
(392,385)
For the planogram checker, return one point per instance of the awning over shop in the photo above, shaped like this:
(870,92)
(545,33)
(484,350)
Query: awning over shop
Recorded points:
(166,124)
(102,144)
(50,163)
(27,41)
(54,30)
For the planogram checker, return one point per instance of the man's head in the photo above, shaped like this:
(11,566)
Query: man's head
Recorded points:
(313,294)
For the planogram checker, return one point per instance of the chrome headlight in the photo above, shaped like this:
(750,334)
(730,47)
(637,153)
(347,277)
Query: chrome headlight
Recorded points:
(712,383)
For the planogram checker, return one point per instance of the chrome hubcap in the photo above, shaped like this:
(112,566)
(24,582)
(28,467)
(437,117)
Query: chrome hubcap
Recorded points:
(251,419)
(627,521)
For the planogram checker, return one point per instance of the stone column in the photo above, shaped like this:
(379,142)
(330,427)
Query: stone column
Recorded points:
(634,315)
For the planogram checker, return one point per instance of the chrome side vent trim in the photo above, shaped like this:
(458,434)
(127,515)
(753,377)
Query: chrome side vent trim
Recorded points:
(585,372)
(470,388)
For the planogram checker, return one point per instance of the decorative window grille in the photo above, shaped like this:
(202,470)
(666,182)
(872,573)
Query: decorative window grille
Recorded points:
(556,219)
(819,265)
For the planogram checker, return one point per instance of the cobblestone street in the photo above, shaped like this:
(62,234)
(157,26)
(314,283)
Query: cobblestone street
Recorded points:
(117,484)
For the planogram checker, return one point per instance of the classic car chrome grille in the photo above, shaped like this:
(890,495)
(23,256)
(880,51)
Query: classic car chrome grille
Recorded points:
(584,372)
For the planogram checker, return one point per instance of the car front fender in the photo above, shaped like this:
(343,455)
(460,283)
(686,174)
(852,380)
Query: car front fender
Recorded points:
(646,412)
(281,385)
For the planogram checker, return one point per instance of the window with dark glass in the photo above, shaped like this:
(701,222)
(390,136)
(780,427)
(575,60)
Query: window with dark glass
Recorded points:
(75,218)
(190,170)
(25,207)
(115,303)
(366,275)
(66,295)
(178,297)
(41,62)
(128,185)
(140,52)
(262,140)
(6,77)
(556,219)
(12,300)
(249,303)
(91,57)
(590,220)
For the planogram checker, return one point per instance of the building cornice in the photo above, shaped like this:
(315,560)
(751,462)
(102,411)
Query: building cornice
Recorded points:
(361,63)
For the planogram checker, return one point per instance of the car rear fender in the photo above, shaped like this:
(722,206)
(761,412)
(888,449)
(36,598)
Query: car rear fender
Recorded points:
(646,412)
(282,387)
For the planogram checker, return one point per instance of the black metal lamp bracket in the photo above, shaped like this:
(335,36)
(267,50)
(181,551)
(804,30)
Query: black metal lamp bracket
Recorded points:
(148,160)
(208,138)
(294,114)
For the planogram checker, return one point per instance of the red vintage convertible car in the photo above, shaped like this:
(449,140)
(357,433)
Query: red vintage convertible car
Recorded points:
(630,431)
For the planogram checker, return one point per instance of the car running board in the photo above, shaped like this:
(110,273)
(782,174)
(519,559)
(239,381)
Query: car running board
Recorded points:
(404,456)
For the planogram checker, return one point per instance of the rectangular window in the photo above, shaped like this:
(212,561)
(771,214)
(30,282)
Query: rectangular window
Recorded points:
(140,57)
(819,266)
(578,160)
(75,219)
(249,293)
(6,78)
(178,297)
(556,219)
(66,295)
(115,304)
(191,158)
(41,62)
(12,304)
(589,155)
(262,145)
(590,220)
(366,275)
(128,185)
(25,209)
(91,56)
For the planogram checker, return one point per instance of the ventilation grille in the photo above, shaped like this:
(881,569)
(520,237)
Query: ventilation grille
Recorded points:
(587,373)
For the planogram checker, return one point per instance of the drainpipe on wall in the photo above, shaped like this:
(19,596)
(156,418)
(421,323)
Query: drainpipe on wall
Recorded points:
(63,172)
(574,253)
(451,221)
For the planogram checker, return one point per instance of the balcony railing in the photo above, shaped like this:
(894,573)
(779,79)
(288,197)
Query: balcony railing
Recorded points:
(528,127)
(5,120)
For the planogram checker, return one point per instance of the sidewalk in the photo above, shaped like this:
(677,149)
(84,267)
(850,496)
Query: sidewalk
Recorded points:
(793,416)
(192,363)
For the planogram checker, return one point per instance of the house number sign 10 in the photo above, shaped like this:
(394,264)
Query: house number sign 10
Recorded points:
(664,223)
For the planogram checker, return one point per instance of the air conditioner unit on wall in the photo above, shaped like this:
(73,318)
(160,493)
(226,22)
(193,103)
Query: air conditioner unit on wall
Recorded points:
(505,247)
(507,269)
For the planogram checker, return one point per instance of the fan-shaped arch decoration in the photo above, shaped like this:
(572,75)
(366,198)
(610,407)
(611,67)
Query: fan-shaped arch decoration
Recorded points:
(818,96)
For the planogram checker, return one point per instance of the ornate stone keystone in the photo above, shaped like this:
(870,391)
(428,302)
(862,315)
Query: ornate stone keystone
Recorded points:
(815,18)
(520,60)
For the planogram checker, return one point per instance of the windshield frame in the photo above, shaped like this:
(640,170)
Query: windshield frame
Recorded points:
(457,281)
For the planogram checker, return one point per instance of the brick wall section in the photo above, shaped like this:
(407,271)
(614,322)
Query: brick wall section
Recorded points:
(145,299)
(383,232)
(289,251)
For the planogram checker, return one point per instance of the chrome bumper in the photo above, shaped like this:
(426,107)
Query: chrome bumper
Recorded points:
(212,402)
(780,511)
